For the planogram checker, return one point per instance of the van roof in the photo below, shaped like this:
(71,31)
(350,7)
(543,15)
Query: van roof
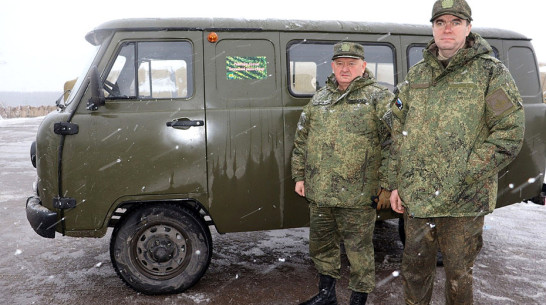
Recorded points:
(230,24)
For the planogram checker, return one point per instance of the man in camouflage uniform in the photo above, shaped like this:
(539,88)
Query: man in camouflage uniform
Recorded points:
(335,164)
(457,122)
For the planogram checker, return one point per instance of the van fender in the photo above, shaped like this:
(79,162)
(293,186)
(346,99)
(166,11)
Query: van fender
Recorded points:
(117,211)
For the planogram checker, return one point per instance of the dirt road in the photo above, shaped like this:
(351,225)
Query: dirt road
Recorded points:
(270,267)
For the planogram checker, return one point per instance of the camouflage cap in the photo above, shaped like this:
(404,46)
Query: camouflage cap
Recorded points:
(457,8)
(348,49)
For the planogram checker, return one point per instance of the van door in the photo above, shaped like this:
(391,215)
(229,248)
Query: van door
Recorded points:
(125,150)
(525,175)
(245,149)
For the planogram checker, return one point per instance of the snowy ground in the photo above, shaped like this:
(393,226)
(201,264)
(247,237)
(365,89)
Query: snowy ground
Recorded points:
(270,267)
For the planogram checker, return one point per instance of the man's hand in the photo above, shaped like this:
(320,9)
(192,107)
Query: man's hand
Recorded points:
(396,202)
(300,188)
(382,200)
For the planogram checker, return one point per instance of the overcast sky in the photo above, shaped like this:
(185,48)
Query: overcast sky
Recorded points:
(42,43)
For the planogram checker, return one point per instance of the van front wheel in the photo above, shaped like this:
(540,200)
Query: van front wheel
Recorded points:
(160,249)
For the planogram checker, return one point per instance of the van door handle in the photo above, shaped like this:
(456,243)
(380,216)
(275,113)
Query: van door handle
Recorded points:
(185,123)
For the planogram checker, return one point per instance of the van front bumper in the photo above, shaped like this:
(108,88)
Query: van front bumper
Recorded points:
(42,220)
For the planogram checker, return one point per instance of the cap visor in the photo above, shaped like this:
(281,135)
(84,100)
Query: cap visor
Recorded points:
(346,56)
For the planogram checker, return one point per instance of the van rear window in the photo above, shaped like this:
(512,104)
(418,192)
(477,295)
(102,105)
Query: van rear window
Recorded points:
(309,65)
(522,66)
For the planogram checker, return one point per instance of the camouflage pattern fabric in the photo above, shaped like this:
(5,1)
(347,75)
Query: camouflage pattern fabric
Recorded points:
(330,226)
(348,49)
(454,129)
(458,238)
(337,146)
(457,8)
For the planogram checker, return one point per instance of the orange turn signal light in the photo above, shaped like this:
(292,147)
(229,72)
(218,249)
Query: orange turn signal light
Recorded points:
(213,37)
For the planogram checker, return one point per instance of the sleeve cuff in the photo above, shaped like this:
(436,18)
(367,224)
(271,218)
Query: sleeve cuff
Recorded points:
(298,178)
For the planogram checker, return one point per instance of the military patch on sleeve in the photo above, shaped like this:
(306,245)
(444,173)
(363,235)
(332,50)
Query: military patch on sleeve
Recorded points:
(399,104)
(499,102)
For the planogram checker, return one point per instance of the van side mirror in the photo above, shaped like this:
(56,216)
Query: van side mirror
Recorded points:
(97,95)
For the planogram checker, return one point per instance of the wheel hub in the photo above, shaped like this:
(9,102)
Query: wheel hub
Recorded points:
(161,250)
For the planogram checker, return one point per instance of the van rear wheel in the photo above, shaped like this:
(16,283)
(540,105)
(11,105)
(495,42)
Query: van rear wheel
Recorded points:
(161,249)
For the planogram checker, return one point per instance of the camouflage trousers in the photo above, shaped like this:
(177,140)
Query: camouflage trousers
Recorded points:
(459,239)
(328,228)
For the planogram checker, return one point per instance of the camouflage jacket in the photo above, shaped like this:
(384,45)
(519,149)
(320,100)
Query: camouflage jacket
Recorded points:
(337,146)
(454,129)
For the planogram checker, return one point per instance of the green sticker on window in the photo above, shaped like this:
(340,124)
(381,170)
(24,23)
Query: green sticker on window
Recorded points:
(253,67)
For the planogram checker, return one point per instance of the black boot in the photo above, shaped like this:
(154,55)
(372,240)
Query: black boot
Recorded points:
(327,292)
(358,298)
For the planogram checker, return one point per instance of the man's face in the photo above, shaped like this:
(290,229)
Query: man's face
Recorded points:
(450,34)
(346,69)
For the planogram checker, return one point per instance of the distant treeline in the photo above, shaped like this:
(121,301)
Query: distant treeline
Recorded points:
(25,111)
(28,98)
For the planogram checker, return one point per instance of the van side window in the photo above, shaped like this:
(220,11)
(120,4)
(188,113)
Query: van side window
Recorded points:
(151,70)
(522,66)
(414,54)
(309,65)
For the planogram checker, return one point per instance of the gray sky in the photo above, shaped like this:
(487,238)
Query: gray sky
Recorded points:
(42,43)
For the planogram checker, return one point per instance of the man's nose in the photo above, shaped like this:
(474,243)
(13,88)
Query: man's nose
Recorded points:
(448,27)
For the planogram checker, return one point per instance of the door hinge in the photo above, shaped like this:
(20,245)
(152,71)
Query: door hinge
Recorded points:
(66,128)
(64,203)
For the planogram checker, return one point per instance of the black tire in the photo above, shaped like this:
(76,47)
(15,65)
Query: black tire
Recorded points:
(161,248)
